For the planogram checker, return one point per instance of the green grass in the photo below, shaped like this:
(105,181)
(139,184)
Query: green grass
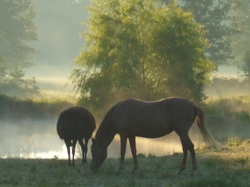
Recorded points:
(229,167)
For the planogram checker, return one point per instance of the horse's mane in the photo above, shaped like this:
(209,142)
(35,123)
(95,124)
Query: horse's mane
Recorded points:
(104,126)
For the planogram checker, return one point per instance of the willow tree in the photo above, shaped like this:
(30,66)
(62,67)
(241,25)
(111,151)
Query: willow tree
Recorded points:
(139,48)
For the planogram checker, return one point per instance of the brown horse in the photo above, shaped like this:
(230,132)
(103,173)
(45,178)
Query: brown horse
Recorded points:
(131,118)
(73,125)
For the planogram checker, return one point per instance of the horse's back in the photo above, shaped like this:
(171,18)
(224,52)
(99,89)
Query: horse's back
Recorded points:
(170,108)
(75,122)
(154,118)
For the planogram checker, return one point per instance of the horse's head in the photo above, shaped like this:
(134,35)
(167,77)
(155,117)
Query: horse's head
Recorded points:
(99,154)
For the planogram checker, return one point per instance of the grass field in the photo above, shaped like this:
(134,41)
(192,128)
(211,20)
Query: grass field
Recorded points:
(229,167)
(227,119)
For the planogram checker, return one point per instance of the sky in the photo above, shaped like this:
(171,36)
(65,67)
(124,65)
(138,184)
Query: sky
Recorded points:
(58,24)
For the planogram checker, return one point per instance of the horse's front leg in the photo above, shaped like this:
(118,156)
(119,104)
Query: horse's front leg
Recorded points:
(123,140)
(133,151)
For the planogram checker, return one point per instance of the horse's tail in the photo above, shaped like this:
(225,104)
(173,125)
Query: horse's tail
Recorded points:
(200,119)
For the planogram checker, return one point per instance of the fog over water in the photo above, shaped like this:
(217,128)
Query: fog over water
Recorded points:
(38,139)
(29,139)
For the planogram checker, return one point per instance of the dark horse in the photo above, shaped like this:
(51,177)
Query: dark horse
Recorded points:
(131,118)
(73,125)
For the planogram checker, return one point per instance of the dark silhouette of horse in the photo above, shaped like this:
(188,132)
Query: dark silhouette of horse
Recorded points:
(131,118)
(73,125)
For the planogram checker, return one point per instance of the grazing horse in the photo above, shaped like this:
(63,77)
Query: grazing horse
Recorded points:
(73,125)
(131,118)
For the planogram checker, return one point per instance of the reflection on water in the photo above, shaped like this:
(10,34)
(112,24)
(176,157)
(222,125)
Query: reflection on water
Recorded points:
(29,139)
(39,139)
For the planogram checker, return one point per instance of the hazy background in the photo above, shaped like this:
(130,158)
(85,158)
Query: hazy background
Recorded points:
(59,24)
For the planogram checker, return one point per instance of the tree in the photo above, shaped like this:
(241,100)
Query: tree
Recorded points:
(14,84)
(241,40)
(138,48)
(215,16)
(180,44)
(16,30)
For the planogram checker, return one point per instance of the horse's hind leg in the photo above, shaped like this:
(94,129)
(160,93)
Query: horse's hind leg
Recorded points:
(133,151)
(84,150)
(68,144)
(73,152)
(187,145)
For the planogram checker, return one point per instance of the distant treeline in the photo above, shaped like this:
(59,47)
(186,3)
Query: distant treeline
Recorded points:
(228,87)
(13,108)
(227,97)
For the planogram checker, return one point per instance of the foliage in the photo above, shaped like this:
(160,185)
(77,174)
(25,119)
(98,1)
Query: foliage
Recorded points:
(179,43)
(141,49)
(14,84)
(215,16)
(234,142)
(16,30)
(241,40)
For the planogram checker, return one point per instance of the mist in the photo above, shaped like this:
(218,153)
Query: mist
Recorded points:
(29,138)
(59,24)
(37,138)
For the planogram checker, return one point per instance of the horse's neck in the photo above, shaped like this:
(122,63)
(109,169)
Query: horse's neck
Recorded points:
(105,133)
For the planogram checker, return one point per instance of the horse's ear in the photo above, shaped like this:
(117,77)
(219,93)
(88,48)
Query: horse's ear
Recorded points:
(93,140)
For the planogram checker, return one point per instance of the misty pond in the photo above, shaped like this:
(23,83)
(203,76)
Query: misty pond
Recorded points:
(37,138)
(29,139)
